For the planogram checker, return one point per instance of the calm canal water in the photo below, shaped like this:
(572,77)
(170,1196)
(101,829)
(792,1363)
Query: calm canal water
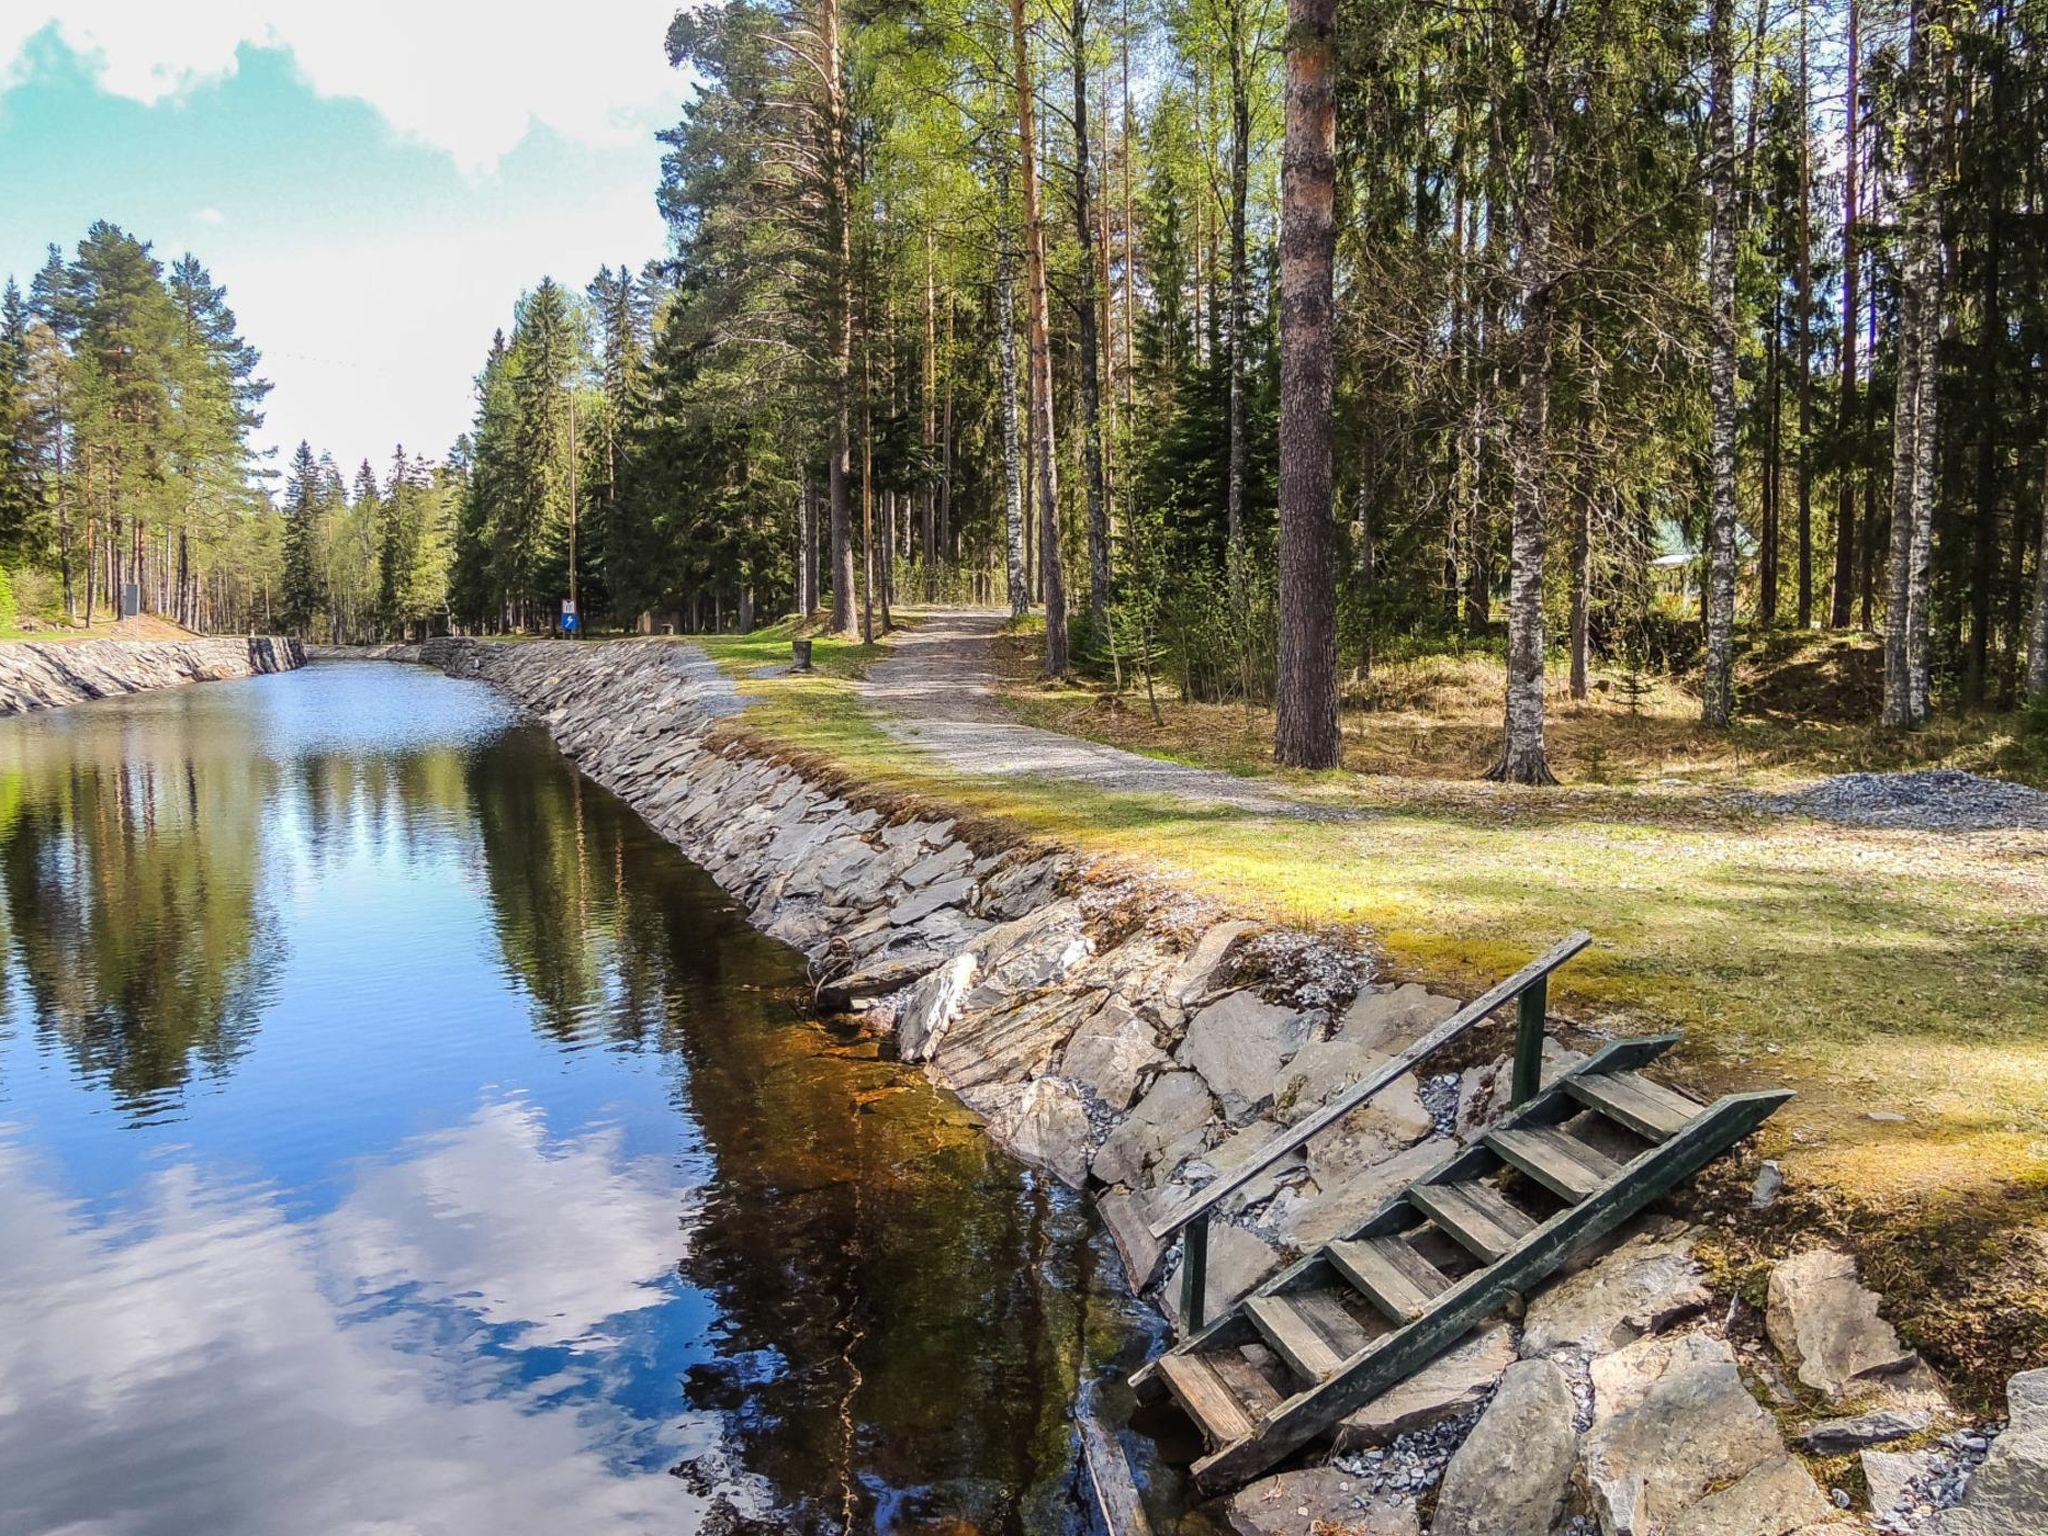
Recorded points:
(397,1136)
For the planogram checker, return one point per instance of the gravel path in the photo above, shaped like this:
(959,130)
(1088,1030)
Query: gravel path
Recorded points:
(1940,800)
(936,691)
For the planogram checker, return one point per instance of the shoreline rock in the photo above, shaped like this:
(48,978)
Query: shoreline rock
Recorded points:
(50,675)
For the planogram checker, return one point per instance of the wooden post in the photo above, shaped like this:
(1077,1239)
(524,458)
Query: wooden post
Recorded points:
(1194,1273)
(1531,1010)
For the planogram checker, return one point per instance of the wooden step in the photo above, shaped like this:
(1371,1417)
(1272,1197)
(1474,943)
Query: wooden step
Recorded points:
(1218,1411)
(1476,1214)
(1397,1279)
(1645,1107)
(1239,1372)
(1294,1336)
(1556,1159)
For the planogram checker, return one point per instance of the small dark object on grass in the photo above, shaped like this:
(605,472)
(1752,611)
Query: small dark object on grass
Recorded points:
(801,651)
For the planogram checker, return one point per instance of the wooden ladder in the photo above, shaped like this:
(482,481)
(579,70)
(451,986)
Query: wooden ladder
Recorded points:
(1364,1312)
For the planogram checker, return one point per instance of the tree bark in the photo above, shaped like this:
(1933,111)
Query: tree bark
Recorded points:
(1915,417)
(1805,300)
(2037,636)
(839,233)
(1522,757)
(1582,517)
(1050,571)
(1845,491)
(1717,704)
(1091,341)
(1240,150)
(1306,730)
(1006,363)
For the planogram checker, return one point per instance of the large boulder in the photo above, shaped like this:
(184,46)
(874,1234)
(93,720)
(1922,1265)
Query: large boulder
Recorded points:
(1825,1324)
(1113,1053)
(1238,1260)
(1174,1112)
(1239,1044)
(2008,1494)
(1449,1385)
(1008,1044)
(1388,1018)
(1030,953)
(1645,1286)
(1317,1501)
(1510,1476)
(1043,1123)
(1129,1216)
(1308,1220)
(1672,1426)
(2026,1398)
(1205,973)
(928,1009)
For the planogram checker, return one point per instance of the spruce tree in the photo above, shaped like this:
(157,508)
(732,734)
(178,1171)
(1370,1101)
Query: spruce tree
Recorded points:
(298,596)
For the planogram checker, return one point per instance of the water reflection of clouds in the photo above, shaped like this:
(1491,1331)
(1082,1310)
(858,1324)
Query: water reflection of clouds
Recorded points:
(553,1241)
(210,1366)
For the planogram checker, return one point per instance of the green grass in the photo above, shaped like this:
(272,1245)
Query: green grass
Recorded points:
(1886,971)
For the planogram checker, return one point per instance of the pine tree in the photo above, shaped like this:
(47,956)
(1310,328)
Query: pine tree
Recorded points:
(298,595)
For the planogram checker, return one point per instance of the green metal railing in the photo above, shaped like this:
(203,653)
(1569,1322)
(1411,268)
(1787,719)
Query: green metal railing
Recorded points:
(1528,989)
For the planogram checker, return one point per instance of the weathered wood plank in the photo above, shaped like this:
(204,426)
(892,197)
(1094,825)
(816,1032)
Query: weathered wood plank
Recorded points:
(1395,1356)
(1556,1159)
(1216,1410)
(1647,1108)
(1294,1338)
(1402,1290)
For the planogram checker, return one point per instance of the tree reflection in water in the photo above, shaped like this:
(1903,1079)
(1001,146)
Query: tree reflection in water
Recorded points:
(526,1102)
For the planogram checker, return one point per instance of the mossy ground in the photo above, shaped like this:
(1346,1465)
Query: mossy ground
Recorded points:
(1898,972)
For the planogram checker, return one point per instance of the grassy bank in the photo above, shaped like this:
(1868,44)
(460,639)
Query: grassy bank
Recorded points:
(1898,980)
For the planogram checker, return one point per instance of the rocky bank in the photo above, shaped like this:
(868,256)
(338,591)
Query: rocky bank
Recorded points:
(40,675)
(1135,1046)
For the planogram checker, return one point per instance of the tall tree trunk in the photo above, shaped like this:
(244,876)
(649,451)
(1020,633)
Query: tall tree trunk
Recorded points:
(1523,759)
(1240,151)
(1091,340)
(2037,634)
(839,235)
(1306,731)
(1041,358)
(1915,417)
(929,495)
(1845,491)
(1582,514)
(1006,364)
(1805,460)
(946,443)
(1992,323)
(1717,702)
(1771,529)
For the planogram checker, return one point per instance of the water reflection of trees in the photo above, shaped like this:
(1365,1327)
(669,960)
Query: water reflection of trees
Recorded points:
(130,860)
(900,1307)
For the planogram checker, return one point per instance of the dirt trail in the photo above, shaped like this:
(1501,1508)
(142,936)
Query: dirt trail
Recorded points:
(936,691)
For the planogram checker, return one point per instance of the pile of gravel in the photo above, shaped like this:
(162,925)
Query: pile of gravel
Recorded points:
(1413,1463)
(1941,800)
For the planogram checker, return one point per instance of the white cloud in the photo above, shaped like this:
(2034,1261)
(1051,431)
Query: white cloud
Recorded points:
(403,316)
(206,1362)
(209,215)
(472,80)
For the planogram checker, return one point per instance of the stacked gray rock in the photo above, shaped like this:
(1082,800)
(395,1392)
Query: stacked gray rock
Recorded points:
(39,675)
(1142,1068)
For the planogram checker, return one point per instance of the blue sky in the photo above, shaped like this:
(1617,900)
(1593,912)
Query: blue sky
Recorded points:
(374,183)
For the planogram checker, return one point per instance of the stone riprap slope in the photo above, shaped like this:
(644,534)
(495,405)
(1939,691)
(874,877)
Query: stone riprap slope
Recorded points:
(35,675)
(1108,1039)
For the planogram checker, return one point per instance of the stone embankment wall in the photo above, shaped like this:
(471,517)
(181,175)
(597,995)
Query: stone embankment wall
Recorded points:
(1130,1045)
(35,675)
